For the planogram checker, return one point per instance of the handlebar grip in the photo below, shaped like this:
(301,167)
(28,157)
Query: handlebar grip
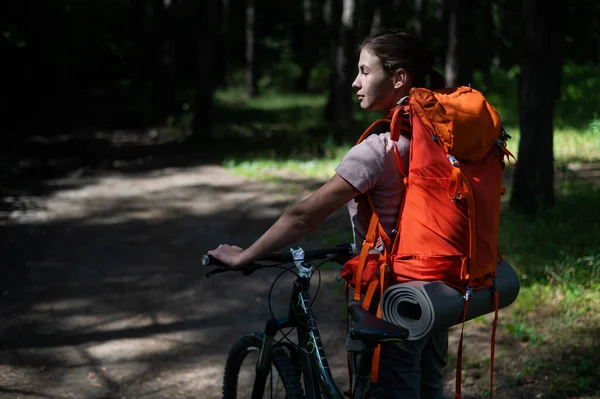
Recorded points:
(209,260)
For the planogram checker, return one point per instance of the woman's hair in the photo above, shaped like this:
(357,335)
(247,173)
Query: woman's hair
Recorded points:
(398,48)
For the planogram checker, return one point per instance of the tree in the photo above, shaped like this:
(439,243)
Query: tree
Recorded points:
(340,96)
(225,47)
(459,56)
(307,55)
(250,71)
(161,63)
(421,18)
(533,185)
(206,14)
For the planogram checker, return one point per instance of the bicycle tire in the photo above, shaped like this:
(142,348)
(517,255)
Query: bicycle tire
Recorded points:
(283,365)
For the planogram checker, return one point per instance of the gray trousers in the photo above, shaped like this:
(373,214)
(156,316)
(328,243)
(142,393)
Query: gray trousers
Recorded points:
(407,369)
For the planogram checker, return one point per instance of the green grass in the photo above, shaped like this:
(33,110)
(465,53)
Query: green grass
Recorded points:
(270,170)
(269,101)
(561,244)
(570,145)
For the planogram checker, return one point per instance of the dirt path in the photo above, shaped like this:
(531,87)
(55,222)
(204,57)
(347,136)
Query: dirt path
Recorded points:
(102,295)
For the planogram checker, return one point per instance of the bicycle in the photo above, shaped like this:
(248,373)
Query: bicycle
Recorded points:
(306,359)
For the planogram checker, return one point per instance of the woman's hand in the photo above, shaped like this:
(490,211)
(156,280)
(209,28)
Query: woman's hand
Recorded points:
(230,255)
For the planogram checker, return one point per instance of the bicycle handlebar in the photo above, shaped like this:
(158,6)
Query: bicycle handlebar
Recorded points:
(282,257)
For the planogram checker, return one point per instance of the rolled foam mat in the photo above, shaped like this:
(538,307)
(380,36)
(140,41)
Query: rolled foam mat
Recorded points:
(423,306)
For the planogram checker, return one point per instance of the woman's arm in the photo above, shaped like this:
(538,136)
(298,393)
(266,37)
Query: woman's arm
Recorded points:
(297,221)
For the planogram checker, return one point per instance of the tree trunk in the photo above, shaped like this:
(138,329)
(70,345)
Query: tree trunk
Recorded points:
(421,18)
(225,47)
(163,90)
(307,45)
(533,185)
(377,22)
(489,32)
(383,10)
(342,109)
(332,14)
(250,72)
(206,14)
(393,13)
(459,57)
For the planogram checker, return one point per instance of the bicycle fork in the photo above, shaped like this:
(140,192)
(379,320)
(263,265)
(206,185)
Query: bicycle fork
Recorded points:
(264,363)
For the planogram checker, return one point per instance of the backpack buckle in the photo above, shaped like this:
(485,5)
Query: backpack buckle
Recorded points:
(505,136)
(379,245)
(453,160)
(468,293)
(403,100)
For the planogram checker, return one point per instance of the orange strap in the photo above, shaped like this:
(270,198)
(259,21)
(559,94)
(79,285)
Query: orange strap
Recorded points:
(369,295)
(472,223)
(459,354)
(459,181)
(380,231)
(367,245)
(394,125)
(397,121)
(404,173)
(381,285)
(377,353)
(367,132)
(375,368)
(493,343)
(349,391)
(509,155)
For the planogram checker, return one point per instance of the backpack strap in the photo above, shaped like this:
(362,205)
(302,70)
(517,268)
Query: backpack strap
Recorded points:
(512,160)
(460,188)
(400,122)
(457,393)
(493,343)
(376,238)
(348,393)
(370,129)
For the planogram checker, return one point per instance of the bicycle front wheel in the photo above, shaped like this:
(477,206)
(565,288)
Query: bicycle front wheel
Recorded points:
(240,371)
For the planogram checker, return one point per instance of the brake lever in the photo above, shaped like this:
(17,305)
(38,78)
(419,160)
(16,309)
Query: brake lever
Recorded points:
(251,268)
(217,271)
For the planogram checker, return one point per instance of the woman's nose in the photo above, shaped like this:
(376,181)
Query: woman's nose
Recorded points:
(356,84)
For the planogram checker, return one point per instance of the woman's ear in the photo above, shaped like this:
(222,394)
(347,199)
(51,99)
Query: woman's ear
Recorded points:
(401,78)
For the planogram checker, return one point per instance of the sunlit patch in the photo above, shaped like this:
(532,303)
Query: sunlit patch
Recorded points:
(130,349)
(62,305)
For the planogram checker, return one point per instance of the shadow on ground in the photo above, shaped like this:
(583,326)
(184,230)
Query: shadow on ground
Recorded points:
(102,293)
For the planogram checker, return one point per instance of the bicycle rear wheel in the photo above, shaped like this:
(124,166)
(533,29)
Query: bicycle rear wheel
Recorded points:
(240,371)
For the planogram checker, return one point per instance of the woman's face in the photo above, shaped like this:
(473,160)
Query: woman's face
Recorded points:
(375,89)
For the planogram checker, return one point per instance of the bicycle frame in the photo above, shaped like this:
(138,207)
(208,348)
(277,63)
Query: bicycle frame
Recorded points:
(317,376)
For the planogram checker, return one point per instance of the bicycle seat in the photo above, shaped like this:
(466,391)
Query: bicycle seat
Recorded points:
(369,328)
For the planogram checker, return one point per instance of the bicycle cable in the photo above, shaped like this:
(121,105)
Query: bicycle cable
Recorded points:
(286,334)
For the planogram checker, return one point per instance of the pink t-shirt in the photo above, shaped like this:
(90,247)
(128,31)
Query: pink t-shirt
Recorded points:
(371,166)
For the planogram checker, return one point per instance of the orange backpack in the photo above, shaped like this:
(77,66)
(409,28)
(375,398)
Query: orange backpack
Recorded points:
(448,222)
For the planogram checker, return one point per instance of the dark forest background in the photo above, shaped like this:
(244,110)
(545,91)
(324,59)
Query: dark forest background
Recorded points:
(73,67)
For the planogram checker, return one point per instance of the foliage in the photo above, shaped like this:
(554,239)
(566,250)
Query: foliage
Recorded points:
(131,64)
(561,244)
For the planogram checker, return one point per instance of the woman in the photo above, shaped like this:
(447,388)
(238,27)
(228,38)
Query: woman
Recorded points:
(391,62)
